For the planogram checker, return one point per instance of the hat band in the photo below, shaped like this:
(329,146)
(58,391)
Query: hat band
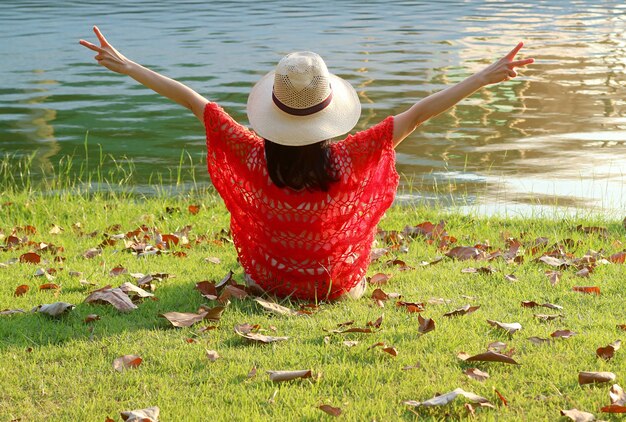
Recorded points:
(302,111)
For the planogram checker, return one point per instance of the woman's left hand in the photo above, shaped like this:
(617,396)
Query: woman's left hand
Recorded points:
(504,69)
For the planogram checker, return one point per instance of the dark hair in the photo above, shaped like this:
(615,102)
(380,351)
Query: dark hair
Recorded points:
(300,167)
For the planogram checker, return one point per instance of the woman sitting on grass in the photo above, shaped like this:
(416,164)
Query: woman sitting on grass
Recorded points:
(304,210)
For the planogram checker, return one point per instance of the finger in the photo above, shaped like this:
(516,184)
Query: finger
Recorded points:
(512,73)
(513,52)
(519,63)
(103,40)
(91,46)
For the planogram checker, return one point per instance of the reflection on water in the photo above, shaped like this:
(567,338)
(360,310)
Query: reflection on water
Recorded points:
(556,135)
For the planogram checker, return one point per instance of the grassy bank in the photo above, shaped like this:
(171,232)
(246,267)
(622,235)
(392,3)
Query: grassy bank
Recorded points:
(61,368)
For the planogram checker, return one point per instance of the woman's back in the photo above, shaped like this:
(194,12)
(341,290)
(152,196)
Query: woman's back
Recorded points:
(308,244)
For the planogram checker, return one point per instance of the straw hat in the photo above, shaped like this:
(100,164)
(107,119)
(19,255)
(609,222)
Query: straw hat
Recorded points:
(301,103)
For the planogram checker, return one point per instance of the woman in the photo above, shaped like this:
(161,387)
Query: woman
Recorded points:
(304,210)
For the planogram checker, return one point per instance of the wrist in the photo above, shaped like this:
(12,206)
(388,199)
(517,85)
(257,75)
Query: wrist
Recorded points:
(131,68)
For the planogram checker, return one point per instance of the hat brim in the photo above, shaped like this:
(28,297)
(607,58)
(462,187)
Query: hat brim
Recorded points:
(271,123)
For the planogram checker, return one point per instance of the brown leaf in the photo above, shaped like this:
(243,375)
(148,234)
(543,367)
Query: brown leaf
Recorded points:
(193,209)
(350,343)
(616,393)
(539,340)
(112,296)
(119,270)
(55,309)
(489,356)
(126,361)
(91,318)
(92,253)
(501,397)
(476,374)
(279,376)
(375,324)
(49,286)
(21,290)
(446,398)
(595,377)
(467,309)
(618,258)
(621,327)
(183,319)
(533,304)
(553,276)
(379,279)
(411,306)
(132,290)
(510,277)
(510,327)
(553,262)
(275,308)
(613,408)
(345,324)
(377,253)
(352,330)
(244,332)
(391,350)
(608,352)
(587,289)
(207,289)
(584,272)
(212,355)
(232,291)
(378,294)
(150,414)
(332,411)
(12,311)
(463,253)
(546,317)
(563,334)
(425,324)
(402,266)
(30,257)
(578,415)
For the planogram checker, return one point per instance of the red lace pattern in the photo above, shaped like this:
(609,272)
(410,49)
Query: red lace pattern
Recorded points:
(309,245)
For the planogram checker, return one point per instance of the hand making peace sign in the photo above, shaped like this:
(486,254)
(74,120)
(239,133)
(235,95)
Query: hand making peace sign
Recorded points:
(107,56)
(504,69)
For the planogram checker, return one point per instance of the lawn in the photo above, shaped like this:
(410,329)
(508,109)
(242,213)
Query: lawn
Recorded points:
(61,368)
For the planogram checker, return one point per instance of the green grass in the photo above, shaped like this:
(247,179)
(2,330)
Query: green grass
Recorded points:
(57,369)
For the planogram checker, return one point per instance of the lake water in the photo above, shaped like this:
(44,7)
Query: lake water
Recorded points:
(554,136)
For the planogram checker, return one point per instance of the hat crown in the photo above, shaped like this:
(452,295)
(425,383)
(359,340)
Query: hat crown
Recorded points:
(301,80)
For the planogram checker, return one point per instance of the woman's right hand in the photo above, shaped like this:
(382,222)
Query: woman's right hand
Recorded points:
(108,56)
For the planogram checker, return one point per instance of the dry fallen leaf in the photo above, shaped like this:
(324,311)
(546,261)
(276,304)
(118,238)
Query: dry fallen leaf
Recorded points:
(587,289)
(132,290)
(476,374)
(31,258)
(379,279)
(333,411)
(275,307)
(489,356)
(510,327)
(425,324)
(112,296)
(212,355)
(446,398)
(91,318)
(463,253)
(595,377)
(244,331)
(467,309)
(546,317)
(350,343)
(616,393)
(21,290)
(553,276)
(578,415)
(150,414)
(12,311)
(563,334)
(184,319)
(126,361)
(55,309)
(540,340)
(607,352)
(279,376)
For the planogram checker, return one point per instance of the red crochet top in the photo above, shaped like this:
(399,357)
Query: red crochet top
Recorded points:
(309,245)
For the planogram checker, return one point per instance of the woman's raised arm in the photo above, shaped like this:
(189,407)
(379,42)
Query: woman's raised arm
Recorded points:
(499,71)
(113,60)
